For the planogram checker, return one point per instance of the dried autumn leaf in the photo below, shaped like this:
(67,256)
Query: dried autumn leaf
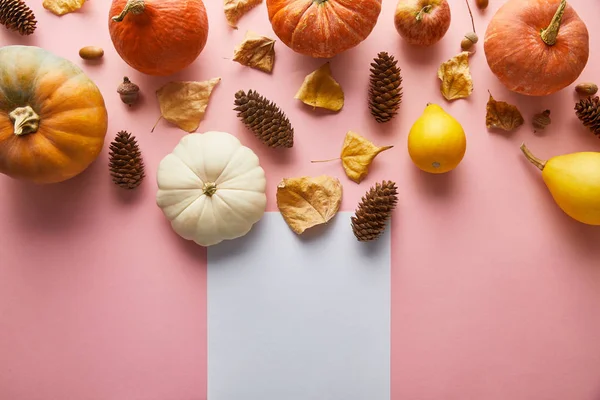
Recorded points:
(184,103)
(502,115)
(235,9)
(456,77)
(62,7)
(357,155)
(319,89)
(308,201)
(256,51)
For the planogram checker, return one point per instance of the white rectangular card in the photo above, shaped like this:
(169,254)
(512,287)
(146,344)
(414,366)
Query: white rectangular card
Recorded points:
(299,317)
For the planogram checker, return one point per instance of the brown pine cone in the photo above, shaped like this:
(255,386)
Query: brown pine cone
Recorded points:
(264,119)
(126,164)
(374,211)
(588,112)
(17,16)
(385,91)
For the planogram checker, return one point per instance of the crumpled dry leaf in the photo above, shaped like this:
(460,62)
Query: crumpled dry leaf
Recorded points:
(502,115)
(357,155)
(308,201)
(256,51)
(184,103)
(319,89)
(61,7)
(235,9)
(456,77)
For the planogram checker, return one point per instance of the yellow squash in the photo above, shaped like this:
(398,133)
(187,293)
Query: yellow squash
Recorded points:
(574,182)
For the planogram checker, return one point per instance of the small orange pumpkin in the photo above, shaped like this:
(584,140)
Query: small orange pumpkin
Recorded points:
(158,37)
(536,47)
(323,28)
(53,119)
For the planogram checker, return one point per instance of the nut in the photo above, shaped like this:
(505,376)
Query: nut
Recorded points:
(482,4)
(469,40)
(587,88)
(91,52)
(128,91)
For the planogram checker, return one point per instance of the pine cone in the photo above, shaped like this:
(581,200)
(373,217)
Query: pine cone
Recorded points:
(16,16)
(374,210)
(126,164)
(588,111)
(385,92)
(264,119)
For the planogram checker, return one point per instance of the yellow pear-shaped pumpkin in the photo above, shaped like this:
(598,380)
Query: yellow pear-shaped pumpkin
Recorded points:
(574,182)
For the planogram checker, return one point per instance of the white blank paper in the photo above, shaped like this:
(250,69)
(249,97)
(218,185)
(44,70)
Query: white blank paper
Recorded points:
(299,317)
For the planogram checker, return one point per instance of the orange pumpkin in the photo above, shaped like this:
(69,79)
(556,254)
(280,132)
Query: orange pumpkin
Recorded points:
(158,37)
(536,47)
(323,28)
(53,120)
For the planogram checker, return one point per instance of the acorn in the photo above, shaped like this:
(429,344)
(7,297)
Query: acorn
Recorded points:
(482,4)
(128,91)
(469,41)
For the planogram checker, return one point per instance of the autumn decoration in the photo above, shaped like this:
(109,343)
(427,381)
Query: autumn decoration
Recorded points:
(422,22)
(586,89)
(125,161)
(455,76)
(374,211)
(357,155)
(53,119)
(588,112)
(236,9)
(62,7)
(184,103)
(265,119)
(323,28)
(142,33)
(16,16)
(256,51)
(385,87)
(305,202)
(321,90)
(91,53)
(128,91)
(536,47)
(502,115)
(541,120)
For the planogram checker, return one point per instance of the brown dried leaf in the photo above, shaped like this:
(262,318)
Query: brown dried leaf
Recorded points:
(502,115)
(256,51)
(456,77)
(61,7)
(319,89)
(357,155)
(184,103)
(308,201)
(235,9)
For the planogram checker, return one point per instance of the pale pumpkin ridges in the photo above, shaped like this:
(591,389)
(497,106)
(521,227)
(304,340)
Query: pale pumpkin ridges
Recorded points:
(240,153)
(231,211)
(172,207)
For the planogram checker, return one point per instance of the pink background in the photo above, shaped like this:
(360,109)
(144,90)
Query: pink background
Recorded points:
(496,293)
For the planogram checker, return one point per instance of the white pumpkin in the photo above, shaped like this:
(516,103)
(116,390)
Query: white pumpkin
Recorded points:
(211,188)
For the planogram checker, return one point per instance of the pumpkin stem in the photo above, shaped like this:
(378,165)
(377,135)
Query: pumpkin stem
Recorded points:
(136,7)
(551,32)
(25,120)
(424,10)
(209,188)
(541,164)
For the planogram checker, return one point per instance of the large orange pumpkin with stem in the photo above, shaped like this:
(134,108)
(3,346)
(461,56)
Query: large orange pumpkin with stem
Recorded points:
(323,28)
(53,119)
(158,37)
(536,47)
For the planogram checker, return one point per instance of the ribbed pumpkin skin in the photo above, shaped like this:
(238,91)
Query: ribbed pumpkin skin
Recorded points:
(323,28)
(521,60)
(167,37)
(73,116)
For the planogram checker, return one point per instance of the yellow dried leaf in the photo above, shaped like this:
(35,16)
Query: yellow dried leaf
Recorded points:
(502,115)
(456,77)
(61,7)
(256,51)
(357,155)
(235,9)
(184,103)
(308,201)
(319,89)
